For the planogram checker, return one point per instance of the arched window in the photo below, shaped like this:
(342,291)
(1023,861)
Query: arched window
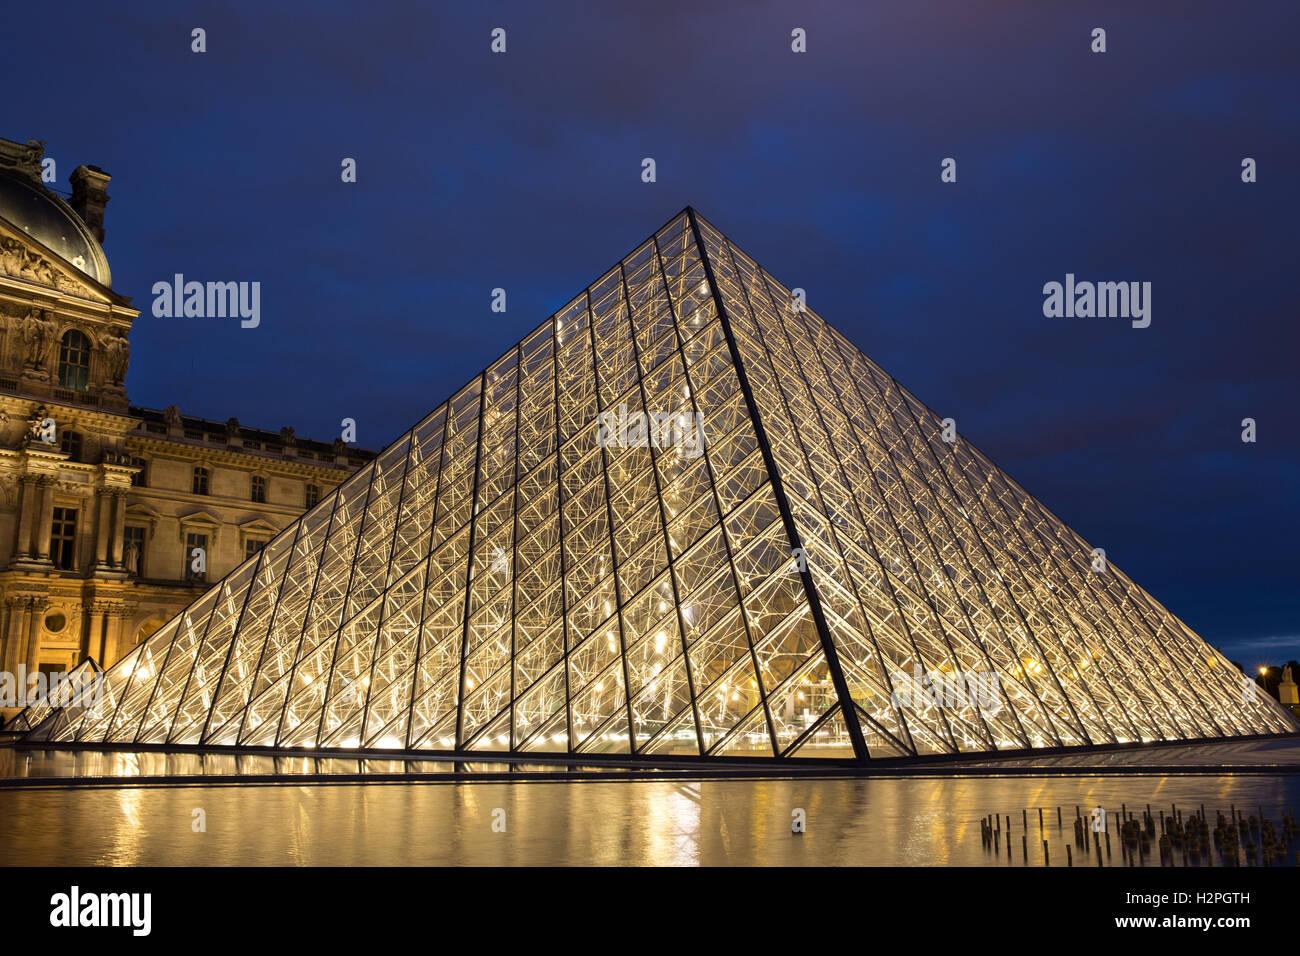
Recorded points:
(74,360)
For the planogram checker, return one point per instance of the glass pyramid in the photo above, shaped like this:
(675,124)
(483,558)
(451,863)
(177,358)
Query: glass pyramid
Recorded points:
(822,576)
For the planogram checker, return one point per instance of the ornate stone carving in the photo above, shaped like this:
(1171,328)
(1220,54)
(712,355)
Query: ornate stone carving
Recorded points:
(117,354)
(24,158)
(172,415)
(35,426)
(287,438)
(18,261)
(38,331)
(232,427)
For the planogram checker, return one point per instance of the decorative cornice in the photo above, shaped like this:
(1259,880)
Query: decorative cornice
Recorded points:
(249,460)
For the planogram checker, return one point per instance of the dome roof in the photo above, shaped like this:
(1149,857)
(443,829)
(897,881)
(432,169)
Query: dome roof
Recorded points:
(49,220)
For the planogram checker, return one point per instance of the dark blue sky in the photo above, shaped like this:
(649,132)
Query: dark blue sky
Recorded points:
(523,171)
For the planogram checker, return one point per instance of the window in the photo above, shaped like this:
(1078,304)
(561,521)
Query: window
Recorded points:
(193,541)
(259,488)
(74,360)
(313,495)
(200,485)
(63,538)
(70,444)
(252,546)
(133,549)
(139,479)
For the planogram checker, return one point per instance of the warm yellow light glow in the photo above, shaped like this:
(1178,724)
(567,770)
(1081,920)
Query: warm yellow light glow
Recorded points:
(509,464)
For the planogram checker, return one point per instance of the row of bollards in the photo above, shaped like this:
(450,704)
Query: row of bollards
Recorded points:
(1176,839)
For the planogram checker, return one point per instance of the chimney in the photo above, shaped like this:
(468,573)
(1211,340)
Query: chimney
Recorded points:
(89,197)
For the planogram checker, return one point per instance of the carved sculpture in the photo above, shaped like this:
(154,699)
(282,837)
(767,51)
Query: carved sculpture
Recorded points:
(36,425)
(36,333)
(118,352)
(18,261)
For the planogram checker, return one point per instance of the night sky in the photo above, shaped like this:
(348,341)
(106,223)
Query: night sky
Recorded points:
(522,171)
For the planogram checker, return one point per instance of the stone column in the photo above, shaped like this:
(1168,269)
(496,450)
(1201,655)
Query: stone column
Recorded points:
(15,632)
(47,518)
(26,517)
(104,529)
(24,626)
(119,526)
(90,644)
(37,614)
(112,637)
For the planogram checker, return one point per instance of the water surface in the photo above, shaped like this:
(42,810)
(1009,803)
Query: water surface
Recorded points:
(896,821)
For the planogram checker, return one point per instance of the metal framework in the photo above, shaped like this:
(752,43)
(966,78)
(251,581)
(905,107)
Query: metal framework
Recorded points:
(500,580)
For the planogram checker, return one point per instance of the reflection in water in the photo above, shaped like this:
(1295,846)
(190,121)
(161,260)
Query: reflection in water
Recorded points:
(897,821)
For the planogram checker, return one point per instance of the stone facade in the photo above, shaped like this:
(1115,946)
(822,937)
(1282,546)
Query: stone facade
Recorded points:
(102,504)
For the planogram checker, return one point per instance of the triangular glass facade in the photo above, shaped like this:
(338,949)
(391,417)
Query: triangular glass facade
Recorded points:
(823,575)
